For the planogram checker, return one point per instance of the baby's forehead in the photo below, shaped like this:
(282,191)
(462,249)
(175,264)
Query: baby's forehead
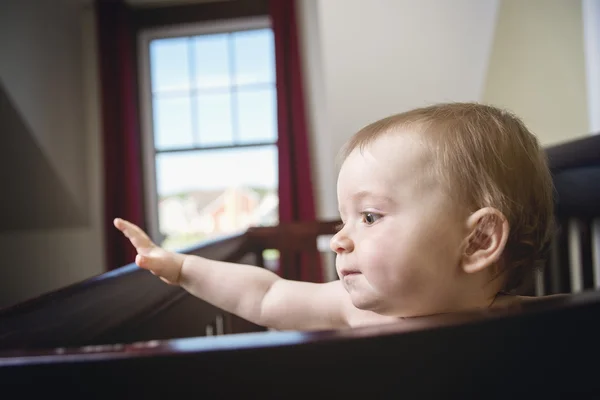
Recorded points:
(400,151)
(394,159)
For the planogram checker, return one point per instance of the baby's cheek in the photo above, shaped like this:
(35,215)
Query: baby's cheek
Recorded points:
(373,256)
(385,267)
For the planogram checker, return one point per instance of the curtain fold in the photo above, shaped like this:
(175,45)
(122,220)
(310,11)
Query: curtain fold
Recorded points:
(296,200)
(123,192)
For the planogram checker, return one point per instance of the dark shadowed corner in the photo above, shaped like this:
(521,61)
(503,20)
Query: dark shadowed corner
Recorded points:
(33,195)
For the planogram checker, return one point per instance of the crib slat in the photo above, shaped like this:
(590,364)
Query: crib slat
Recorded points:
(575,265)
(540,287)
(595,237)
(219,325)
(554,266)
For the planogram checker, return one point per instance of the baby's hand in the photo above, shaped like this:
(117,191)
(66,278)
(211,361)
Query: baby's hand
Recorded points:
(164,264)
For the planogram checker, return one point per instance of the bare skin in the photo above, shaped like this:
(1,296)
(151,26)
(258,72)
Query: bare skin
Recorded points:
(269,301)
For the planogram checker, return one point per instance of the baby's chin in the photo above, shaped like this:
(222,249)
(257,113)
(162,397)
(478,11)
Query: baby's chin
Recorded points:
(386,309)
(369,302)
(366,297)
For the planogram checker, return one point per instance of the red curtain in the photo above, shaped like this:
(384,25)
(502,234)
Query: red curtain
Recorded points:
(296,202)
(123,193)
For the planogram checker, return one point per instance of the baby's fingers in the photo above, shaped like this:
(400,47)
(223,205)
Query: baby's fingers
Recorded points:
(134,233)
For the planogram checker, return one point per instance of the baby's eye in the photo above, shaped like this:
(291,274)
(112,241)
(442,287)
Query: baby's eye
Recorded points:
(369,218)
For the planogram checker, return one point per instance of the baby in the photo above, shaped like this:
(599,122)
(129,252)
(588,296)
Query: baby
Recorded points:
(444,208)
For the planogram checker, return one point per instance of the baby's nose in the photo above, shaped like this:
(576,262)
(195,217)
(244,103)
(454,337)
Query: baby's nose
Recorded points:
(341,243)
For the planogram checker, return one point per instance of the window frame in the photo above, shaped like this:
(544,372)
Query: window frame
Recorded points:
(144,37)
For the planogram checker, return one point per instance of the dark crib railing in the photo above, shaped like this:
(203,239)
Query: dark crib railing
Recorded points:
(574,259)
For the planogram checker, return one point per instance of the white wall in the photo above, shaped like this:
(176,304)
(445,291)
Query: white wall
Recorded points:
(537,67)
(321,137)
(49,69)
(366,60)
(591,36)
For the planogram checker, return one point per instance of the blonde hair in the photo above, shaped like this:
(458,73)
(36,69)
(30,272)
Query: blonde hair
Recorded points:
(485,157)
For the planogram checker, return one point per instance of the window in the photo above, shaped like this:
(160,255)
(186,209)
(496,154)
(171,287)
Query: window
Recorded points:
(210,127)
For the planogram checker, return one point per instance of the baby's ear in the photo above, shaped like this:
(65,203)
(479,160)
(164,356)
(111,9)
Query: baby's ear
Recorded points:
(488,233)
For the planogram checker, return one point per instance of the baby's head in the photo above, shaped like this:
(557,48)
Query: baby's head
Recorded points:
(443,207)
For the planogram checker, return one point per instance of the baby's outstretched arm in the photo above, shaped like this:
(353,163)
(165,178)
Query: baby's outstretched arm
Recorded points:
(255,294)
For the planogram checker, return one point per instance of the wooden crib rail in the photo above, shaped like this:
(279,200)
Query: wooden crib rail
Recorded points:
(574,260)
(537,351)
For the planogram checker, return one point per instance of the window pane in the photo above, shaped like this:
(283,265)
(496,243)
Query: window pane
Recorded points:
(214,119)
(206,194)
(257,115)
(172,123)
(254,60)
(169,64)
(212,61)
